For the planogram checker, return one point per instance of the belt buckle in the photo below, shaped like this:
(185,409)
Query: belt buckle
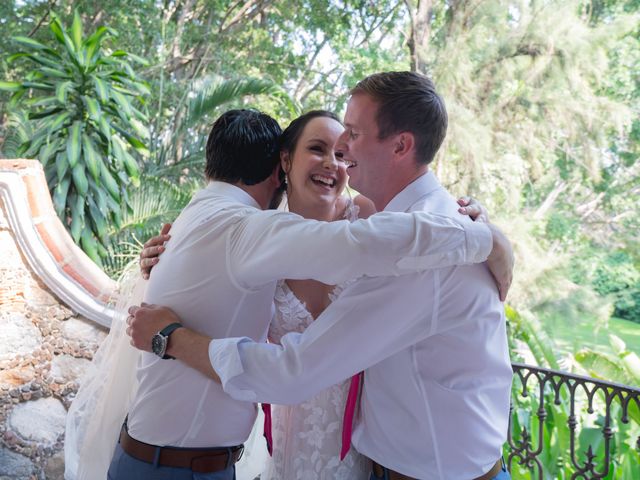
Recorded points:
(240,454)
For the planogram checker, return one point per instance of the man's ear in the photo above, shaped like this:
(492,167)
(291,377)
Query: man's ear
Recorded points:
(277,176)
(404,144)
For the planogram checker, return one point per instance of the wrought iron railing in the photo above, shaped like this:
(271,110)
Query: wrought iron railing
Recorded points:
(611,408)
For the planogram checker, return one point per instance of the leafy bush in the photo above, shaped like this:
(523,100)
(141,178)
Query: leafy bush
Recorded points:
(530,344)
(613,274)
(85,127)
(619,277)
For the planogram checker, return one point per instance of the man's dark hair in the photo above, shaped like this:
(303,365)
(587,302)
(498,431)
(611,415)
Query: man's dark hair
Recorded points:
(242,147)
(408,102)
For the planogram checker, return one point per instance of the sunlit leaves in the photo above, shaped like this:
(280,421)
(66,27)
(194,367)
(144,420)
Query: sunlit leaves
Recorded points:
(83,104)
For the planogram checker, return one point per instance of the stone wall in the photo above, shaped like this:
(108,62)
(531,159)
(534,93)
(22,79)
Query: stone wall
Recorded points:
(45,345)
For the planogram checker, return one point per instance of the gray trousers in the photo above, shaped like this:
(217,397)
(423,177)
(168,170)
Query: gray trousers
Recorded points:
(125,467)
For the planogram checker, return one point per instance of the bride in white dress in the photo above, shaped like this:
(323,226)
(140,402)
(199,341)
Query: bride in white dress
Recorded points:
(307,437)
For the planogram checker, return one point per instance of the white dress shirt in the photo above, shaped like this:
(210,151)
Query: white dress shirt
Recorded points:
(219,273)
(435,401)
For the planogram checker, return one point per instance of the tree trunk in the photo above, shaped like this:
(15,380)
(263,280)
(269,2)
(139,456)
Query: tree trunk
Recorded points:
(420,12)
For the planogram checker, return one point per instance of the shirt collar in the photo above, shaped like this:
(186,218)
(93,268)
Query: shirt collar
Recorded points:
(231,191)
(413,192)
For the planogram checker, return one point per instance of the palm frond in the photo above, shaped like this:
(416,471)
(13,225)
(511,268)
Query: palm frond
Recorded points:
(216,92)
(194,163)
(157,201)
(602,365)
(18,131)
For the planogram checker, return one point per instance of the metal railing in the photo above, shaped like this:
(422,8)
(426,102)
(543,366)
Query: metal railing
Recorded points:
(605,405)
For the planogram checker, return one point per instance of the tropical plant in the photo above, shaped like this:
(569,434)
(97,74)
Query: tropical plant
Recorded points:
(179,148)
(530,344)
(158,200)
(87,129)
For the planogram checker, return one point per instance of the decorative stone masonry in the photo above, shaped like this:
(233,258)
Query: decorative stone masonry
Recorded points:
(53,316)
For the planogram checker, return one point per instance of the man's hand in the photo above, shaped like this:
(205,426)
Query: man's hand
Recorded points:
(190,347)
(147,320)
(472,207)
(152,249)
(501,261)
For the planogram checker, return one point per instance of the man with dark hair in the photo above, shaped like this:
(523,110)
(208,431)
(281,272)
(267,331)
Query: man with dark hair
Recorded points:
(437,379)
(225,256)
(241,147)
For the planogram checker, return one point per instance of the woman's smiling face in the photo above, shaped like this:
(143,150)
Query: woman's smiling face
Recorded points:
(316,171)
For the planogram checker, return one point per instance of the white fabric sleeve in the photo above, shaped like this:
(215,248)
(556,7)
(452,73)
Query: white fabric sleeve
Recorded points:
(361,328)
(272,245)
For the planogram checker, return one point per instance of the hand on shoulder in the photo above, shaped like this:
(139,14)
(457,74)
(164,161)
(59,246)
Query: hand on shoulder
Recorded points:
(366,206)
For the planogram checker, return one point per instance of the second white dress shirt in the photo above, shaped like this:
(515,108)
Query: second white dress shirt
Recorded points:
(435,402)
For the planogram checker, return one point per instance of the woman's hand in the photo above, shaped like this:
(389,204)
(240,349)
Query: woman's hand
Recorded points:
(150,254)
(472,207)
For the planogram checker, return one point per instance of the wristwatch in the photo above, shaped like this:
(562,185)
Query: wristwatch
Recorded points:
(160,340)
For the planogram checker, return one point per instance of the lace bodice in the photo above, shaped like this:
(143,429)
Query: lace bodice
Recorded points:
(307,437)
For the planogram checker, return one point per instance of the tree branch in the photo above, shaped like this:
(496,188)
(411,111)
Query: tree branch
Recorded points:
(52,3)
(550,200)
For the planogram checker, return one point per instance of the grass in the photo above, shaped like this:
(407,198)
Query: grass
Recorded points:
(572,337)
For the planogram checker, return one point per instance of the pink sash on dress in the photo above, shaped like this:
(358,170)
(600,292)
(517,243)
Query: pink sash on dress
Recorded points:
(349,411)
(266,409)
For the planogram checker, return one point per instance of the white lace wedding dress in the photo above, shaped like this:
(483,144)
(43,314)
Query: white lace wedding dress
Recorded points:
(307,437)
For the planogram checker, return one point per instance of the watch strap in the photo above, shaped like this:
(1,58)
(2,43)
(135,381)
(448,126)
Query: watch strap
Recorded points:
(169,329)
(165,332)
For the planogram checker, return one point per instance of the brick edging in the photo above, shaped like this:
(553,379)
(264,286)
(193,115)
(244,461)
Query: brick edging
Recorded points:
(46,244)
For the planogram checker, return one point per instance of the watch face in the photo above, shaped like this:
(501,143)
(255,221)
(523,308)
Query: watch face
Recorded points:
(159,344)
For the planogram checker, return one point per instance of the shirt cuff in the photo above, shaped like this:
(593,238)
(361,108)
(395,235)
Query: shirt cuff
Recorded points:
(225,359)
(479,242)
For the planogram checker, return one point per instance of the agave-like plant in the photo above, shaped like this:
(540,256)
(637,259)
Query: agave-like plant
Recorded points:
(89,133)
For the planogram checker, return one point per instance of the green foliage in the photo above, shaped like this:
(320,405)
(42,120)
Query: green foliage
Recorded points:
(529,343)
(215,91)
(561,227)
(614,274)
(618,276)
(157,201)
(85,127)
(179,155)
